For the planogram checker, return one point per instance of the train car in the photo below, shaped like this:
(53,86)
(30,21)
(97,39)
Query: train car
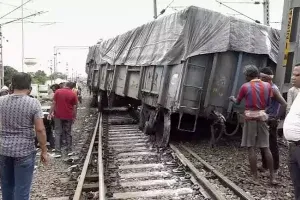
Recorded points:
(186,64)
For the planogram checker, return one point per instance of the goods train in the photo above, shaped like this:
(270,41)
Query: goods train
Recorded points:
(185,64)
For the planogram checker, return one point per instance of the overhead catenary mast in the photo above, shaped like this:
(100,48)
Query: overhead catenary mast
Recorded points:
(1,44)
(266,9)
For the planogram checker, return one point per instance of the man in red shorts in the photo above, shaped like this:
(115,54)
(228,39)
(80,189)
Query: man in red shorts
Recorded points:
(257,95)
(64,110)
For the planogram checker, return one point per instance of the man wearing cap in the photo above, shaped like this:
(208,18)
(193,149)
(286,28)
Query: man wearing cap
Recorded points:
(257,95)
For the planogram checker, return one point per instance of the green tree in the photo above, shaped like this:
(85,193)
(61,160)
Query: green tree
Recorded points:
(39,77)
(8,73)
(56,75)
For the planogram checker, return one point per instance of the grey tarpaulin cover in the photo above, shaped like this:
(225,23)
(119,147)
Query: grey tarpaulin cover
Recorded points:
(176,37)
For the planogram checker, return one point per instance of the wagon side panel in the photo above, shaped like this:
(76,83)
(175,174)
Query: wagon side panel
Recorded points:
(247,59)
(109,78)
(103,77)
(95,76)
(193,87)
(133,82)
(151,85)
(121,74)
(223,80)
(173,87)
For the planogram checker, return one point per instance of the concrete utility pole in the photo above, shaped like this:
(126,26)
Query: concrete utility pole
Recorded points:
(1,61)
(266,5)
(155,9)
(22,36)
(289,44)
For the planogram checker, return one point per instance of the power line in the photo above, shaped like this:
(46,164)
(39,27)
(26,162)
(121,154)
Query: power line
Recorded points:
(246,2)
(39,22)
(16,9)
(238,12)
(164,10)
(32,15)
(15,6)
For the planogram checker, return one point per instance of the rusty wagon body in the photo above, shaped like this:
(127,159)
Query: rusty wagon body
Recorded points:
(187,63)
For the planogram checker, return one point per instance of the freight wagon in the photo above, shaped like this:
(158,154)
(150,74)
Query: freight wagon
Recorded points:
(185,64)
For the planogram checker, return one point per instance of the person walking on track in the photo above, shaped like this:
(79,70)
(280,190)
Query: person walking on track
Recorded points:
(19,115)
(291,131)
(257,95)
(64,110)
(275,111)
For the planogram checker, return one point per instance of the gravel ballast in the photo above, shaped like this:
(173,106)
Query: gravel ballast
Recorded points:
(232,161)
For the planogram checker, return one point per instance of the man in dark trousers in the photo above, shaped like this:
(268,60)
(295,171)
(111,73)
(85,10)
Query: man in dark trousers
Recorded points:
(64,110)
(257,95)
(275,111)
(291,131)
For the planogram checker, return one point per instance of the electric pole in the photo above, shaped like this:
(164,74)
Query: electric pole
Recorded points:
(1,61)
(1,45)
(266,5)
(22,36)
(155,9)
(266,9)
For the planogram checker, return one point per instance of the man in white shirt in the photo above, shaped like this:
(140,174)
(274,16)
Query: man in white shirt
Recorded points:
(291,96)
(291,130)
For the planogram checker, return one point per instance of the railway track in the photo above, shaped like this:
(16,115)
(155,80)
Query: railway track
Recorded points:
(121,163)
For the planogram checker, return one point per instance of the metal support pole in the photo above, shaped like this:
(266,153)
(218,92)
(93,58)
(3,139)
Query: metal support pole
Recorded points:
(54,60)
(266,5)
(155,9)
(1,60)
(22,37)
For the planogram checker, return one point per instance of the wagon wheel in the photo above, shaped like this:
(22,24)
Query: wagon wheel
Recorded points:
(163,129)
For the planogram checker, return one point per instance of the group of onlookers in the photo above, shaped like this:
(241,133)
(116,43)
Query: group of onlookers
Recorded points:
(21,119)
(264,107)
(64,112)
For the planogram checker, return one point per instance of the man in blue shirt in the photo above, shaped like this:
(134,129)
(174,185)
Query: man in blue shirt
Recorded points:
(275,111)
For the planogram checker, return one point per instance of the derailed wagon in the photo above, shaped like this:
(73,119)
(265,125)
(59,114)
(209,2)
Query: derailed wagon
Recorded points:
(185,64)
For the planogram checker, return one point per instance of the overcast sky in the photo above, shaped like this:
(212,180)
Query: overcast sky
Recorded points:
(84,22)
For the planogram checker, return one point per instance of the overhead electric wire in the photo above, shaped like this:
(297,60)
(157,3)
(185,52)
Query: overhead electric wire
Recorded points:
(238,11)
(16,9)
(32,15)
(16,6)
(164,10)
(247,2)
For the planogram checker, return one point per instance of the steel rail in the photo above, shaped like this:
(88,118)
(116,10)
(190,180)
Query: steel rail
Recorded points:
(79,187)
(236,189)
(212,191)
(100,162)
